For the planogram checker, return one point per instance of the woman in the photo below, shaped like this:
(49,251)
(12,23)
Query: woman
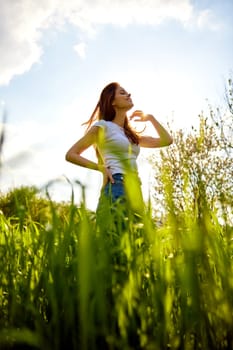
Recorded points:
(117,144)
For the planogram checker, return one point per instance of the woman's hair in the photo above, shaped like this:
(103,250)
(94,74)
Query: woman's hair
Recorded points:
(104,110)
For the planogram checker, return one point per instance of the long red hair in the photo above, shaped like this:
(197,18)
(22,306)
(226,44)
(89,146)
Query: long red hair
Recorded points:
(104,110)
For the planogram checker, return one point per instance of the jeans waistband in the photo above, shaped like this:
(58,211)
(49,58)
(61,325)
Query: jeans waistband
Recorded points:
(118,176)
(121,177)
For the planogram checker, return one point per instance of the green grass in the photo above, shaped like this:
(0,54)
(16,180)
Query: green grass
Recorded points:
(124,283)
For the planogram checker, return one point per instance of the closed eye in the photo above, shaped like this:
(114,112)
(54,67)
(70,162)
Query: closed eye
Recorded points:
(123,92)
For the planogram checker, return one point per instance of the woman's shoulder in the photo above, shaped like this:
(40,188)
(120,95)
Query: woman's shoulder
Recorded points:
(101,123)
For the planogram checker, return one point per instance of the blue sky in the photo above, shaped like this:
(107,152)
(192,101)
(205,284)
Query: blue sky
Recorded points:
(56,56)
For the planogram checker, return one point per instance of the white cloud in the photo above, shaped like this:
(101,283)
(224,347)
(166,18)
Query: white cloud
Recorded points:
(81,50)
(20,32)
(207,19)
(90,13)
(23,23)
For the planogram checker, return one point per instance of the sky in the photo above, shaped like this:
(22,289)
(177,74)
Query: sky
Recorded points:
(173,56)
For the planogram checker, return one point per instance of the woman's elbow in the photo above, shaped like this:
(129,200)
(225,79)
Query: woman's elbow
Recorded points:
(169,141)
(68,156)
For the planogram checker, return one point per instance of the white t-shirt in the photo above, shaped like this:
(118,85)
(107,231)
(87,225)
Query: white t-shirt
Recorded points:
(118,153)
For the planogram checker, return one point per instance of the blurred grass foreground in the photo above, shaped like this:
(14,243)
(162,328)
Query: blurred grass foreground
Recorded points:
(159,280)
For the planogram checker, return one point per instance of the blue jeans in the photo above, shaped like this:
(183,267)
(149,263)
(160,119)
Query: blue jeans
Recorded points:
(111,199)
(114,203)
(113,193)
(115,190)
(111,211)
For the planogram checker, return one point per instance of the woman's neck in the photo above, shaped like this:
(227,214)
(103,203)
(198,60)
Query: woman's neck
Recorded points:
(120,118)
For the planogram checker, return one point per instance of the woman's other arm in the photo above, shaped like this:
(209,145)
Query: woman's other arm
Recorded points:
(163,139)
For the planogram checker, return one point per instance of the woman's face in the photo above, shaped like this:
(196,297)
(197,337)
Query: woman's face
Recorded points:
(122,99)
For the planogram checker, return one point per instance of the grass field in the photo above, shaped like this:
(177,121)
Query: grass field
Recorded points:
(123,282)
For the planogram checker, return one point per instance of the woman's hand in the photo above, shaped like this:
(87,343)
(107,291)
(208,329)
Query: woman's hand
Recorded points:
(107,175)
(139,116)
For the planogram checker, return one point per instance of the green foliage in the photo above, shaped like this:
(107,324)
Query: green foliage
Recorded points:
(70,280)
(26,204)
(72,283)
(197,169)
